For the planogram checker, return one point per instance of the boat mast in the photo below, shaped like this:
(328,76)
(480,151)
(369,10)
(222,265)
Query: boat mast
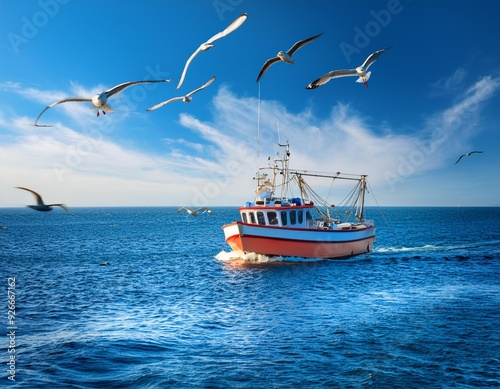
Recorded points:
(284,169)
(361,198)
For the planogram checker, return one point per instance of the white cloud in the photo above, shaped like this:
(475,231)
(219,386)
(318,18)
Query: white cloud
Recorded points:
(90,168)
(344,141)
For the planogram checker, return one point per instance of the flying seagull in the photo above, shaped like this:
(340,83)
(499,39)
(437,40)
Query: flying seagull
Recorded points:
(209,44)
(187,98)
(361,71)
(468,155)
(194,212)
(99,101)
(41,206)
(285,57)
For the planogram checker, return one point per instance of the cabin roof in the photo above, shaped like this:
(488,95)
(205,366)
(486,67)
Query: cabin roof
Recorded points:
(282,207)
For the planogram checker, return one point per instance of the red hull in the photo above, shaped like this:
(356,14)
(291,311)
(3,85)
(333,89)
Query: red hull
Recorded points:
(306,243)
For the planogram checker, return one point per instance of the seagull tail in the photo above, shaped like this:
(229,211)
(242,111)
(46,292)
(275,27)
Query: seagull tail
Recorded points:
(107,108)
(362,80)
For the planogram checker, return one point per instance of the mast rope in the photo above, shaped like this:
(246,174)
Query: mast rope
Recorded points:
(344,210)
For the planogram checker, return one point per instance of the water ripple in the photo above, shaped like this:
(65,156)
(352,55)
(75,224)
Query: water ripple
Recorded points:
(174,308)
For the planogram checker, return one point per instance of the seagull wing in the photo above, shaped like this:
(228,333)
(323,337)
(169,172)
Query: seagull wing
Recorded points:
(159,105)
(202,87)
(117,89)
(63,206)
(468,155)
(205,46)
(39,200)
(266,66)
(56,103)
(299,44)
(229,29)
(182,208)
(187,65)
(328,76)
(458,160)
(372,58)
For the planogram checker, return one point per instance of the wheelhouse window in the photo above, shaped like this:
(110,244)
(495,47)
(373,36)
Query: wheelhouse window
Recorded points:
(293,217)
(301,216)
(308,219)
(260,218)
(272,217)
(284,220)
(244,216)
(252,217)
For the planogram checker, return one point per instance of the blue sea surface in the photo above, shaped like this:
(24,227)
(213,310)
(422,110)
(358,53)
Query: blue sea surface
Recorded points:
(173,309)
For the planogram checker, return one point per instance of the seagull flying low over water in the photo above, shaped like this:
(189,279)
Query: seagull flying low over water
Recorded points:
(99,101)
(468,155)
(285,57)
(361,71)
(209,44)
(41,206)
(187,98)
(194,212)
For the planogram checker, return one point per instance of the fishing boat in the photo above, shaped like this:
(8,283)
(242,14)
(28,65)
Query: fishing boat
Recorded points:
(279,223)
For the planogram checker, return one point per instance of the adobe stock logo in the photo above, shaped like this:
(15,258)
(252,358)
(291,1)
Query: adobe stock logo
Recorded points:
(223,6)
(32,25)
(363,36)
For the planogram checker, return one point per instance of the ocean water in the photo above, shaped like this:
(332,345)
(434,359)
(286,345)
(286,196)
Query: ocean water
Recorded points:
(173,309)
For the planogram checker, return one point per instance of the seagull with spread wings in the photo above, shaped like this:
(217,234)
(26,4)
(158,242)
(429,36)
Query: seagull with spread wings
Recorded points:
(100,100)
(285,57)
(361,71)
(41,206)
(468,155)
(187,98)
(210,43)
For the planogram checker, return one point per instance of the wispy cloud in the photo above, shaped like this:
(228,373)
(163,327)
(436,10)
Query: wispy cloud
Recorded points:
(174,143)
(344,141)
(456,123)
(216,168)
(450,84)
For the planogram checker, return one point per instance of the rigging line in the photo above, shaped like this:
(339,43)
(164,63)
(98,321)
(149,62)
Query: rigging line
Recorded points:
(383,215)
(329,191)
(258,125)
(347,201)
(350,201)
(338,175)
(278,130)
(347,209)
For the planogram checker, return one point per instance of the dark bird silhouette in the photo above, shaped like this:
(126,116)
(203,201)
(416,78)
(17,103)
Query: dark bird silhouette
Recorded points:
(41,206)
(285,57)
(468,155)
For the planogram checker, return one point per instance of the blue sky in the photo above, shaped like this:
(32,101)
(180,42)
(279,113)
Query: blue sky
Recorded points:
(432,97)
